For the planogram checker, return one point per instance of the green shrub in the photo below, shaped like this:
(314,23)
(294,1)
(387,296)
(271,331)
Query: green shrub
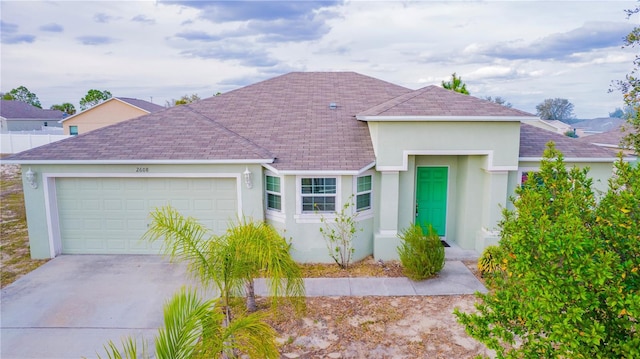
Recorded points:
(489,262)
(422,256)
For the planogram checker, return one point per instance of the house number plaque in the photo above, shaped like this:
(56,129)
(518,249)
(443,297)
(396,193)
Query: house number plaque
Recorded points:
(142,169)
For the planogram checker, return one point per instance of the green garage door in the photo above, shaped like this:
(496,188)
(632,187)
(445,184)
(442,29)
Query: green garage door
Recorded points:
(110,215)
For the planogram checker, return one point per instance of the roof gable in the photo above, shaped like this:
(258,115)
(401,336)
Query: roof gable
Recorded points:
(435,101)
(150,107)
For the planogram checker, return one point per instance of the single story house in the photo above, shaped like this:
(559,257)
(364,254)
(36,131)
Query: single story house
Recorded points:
(291,150)
(21,116)
(109,112)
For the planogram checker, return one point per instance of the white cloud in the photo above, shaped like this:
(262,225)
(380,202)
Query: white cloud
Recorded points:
(524,51)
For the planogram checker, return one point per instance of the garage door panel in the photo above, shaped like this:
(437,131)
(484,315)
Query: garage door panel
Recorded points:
(110,215)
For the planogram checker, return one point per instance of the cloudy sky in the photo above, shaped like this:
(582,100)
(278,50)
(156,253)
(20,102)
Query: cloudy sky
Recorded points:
(524,51)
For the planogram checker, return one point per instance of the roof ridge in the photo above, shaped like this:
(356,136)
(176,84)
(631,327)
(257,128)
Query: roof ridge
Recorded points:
(263,151)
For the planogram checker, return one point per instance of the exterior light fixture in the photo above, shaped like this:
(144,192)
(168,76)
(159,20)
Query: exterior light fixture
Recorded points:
(31,176)
(248,178)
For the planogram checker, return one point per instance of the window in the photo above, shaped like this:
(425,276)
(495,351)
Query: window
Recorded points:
(274,195)
(318,194)
(363,193)
(73,130)
(531,176)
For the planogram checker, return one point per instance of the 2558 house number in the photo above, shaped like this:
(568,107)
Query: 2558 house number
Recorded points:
(142,169)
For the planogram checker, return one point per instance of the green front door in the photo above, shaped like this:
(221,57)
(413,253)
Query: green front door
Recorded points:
(431,198)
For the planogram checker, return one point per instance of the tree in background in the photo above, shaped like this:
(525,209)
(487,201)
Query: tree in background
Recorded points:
(630,88)
(66,107)
(94,97)
(24,95)
(455,84)
(186,99)
(499,100)
(569,279)
(555,109)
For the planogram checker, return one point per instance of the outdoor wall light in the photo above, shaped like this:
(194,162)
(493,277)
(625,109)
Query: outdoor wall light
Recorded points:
(30,176)
(248,178)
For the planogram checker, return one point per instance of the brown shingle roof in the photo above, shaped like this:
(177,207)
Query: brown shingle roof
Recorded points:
(437,101)
(533,142)
(287,118)
(142,104)
(11,109)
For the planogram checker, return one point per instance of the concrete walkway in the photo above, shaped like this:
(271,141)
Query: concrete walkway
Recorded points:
(72,305)
(454,279)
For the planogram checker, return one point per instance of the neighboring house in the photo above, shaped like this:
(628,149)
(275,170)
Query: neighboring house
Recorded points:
(21,116)
(292,150)
(611,139)
(109,112)
(550,125)
(597,125)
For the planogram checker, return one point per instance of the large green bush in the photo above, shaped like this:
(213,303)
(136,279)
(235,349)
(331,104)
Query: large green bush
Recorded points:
(421,255)
(570,283)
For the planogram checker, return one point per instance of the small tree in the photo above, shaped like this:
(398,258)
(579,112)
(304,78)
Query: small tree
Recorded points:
(195,328)
(338,234)
(66,107)
(232,261)
(421,255)
(555,109)
(186,99)
(569,284)
(456,84)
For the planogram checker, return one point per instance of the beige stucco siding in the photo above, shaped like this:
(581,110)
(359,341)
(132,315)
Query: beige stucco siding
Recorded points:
(102,115)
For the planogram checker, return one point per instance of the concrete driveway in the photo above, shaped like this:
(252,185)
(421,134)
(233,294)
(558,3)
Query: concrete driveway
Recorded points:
(73,305)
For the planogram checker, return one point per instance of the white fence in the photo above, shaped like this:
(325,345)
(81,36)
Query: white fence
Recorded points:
(18,142)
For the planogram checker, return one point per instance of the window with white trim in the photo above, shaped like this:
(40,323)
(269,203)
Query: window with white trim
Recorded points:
(363,193)
(274,193)
(318,194)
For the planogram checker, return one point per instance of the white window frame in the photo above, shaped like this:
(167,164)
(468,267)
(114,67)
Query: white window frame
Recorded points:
(364,213)
(314,217)
(274,214)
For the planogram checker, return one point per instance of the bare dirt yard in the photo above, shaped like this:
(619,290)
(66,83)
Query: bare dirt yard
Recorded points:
(332,327)
(15,259)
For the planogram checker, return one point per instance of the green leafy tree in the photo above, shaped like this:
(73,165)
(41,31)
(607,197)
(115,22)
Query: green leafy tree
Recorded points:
(630,88)
(195,328)
(66,107)
(569,284)
(455,84)
(94,97)
(499,100)
(231,262)
(184,100)
(552,109)
(24,95)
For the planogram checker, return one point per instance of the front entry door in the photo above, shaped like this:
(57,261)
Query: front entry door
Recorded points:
(431,198)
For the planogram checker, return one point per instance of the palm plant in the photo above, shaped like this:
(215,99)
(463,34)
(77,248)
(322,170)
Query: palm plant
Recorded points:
(230,262)
(195,328)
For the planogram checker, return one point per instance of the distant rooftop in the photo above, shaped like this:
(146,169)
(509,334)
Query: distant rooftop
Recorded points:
(11,109)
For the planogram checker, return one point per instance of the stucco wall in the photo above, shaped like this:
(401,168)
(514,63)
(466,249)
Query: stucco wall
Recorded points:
(393,141)
(309,246)
(39,225)
(105,114)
